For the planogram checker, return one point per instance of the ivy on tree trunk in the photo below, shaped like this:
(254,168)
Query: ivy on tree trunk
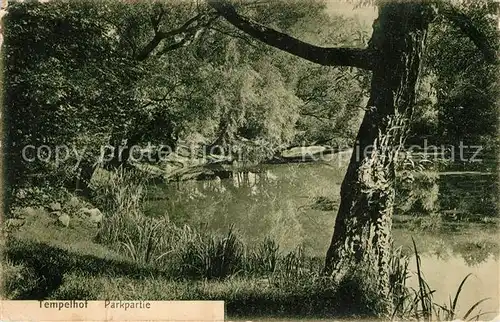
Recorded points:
(363,224)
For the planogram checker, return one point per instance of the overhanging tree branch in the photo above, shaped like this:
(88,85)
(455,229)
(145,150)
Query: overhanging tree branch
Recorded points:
(186,37)
(199,21)
(465,24)
(234,35)
(355,57)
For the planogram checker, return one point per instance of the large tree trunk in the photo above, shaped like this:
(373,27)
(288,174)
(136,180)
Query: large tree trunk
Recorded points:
(363,224)
(121,153)
(82,181)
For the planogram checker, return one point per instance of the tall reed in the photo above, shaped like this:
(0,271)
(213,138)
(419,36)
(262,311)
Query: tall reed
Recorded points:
(419,302)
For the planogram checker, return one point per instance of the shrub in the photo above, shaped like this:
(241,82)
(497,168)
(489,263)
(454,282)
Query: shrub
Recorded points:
(432,222)
(417,193)
(35,196)
(18,280)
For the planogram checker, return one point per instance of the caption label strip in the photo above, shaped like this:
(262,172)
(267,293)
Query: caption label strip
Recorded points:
(112,311)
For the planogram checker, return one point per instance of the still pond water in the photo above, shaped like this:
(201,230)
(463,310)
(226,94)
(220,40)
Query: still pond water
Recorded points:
(281,201)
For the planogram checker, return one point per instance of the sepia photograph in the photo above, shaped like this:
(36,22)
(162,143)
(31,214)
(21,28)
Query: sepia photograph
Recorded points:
(250,160)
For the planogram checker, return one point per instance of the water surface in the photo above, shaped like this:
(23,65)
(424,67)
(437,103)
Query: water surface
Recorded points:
(296,205)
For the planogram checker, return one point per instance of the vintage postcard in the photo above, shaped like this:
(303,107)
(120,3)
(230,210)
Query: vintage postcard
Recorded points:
(250,160)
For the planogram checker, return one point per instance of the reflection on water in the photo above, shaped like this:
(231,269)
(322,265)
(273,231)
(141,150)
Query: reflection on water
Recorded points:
(278,201)
(469,193)
(274,201)
(445,276)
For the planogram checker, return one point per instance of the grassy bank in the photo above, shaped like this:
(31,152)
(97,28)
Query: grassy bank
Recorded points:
(132,256)
(47,260)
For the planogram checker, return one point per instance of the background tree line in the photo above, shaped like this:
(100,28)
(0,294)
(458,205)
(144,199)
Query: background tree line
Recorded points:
(91,73)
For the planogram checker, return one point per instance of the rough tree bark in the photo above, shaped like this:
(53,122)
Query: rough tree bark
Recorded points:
(81,183)
(363,225)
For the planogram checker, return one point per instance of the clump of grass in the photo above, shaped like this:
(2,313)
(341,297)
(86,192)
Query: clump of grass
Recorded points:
(141,242)
(292,271)
(121,190)
(210,256)
(399,274)
(264,259)
(143,239)
(120,194)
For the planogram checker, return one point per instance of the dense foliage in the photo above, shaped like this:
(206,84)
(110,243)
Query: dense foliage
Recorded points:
(85,74)
(459,87)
